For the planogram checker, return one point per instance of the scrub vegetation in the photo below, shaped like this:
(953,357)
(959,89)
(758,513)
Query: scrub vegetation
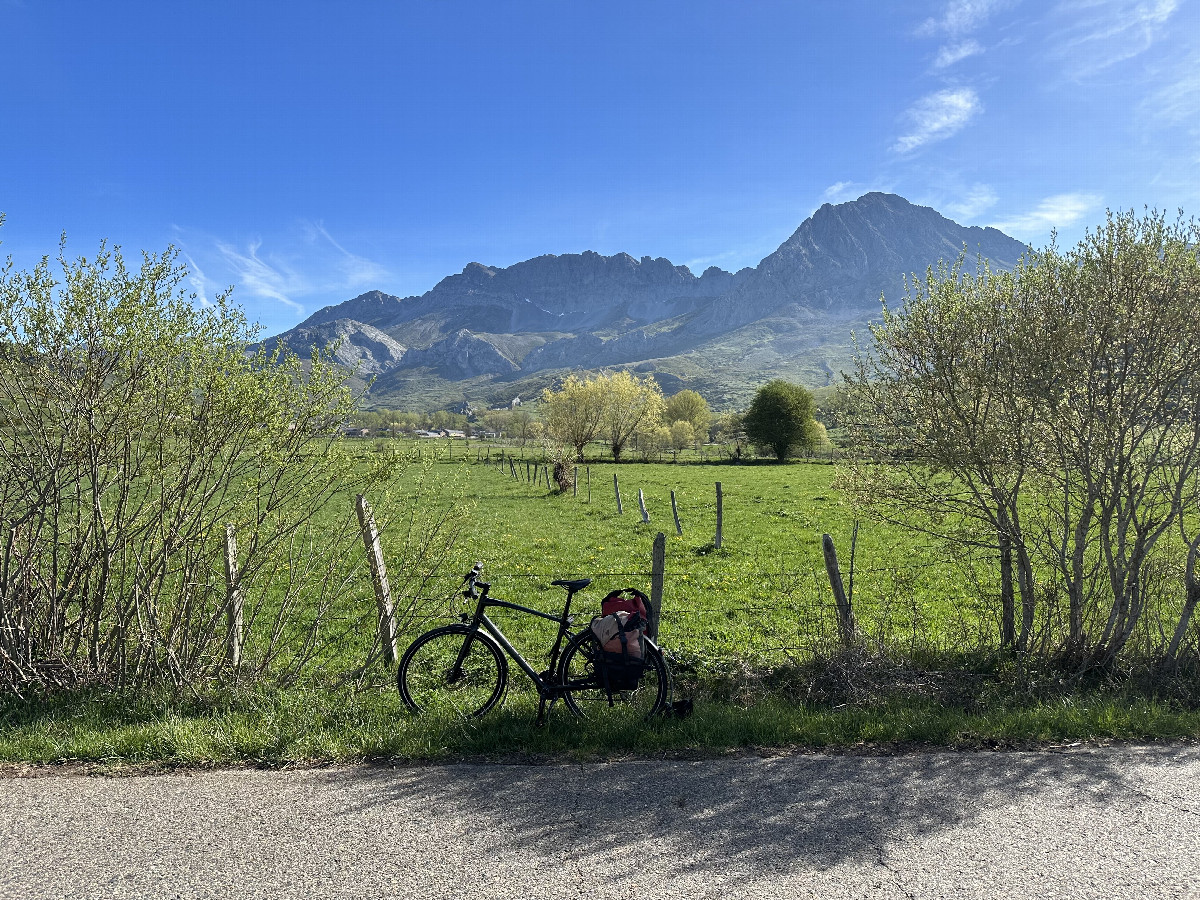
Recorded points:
(1014,509)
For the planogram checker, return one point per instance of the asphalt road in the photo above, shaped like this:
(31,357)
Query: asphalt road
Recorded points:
(1108,822)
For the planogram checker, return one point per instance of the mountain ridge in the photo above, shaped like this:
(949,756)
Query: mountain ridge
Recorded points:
(488,331)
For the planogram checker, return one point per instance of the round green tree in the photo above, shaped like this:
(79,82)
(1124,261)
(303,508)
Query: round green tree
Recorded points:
(781,417)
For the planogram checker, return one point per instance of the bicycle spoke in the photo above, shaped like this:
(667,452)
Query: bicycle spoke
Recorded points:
(429,682)
(585,692)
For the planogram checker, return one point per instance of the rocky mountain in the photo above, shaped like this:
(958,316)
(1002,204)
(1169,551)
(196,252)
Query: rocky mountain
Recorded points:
(359,347)
(843,258)
(490,333)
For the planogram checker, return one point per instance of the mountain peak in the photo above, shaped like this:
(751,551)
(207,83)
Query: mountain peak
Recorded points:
(790,316)
(368,307)
(862,248)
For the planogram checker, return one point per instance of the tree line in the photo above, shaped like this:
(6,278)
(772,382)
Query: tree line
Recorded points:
(1049,417)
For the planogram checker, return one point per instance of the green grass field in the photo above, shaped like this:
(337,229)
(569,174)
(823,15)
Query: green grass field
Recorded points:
(764,594)
(750,629)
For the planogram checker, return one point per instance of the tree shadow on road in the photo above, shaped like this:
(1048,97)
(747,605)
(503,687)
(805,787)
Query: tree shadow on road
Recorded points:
(748,815)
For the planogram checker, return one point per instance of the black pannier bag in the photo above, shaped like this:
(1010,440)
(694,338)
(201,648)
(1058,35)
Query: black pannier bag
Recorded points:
(621,659)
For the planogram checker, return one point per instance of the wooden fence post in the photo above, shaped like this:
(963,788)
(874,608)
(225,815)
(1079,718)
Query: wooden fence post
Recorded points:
(847,628)
(642,504)
(617,491)
(675,513)
(233,601)
(575,481)
(658,569)
(383,591)
(512,468)
(589,478)
(720,517)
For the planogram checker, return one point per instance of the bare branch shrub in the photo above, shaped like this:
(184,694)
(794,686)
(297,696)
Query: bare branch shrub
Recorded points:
(134,426)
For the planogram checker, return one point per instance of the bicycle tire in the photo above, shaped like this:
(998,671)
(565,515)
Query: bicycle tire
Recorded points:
(422,674)
(588,699)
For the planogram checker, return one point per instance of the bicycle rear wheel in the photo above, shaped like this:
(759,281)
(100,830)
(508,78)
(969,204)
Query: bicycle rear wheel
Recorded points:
(427,679)
(585,693)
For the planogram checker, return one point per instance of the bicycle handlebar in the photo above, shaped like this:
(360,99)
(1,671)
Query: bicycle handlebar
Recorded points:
(473,583)
(471,580)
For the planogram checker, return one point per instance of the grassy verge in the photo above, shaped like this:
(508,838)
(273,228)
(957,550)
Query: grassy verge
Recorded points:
(321,726)
(749,628)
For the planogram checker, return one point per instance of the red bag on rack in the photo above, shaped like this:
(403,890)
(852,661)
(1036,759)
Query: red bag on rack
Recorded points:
(629,600)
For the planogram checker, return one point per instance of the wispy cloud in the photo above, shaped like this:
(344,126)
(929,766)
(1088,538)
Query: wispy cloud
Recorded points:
(1059,211)
(937,116)
(841,191)
(949,54)
(200,285)
(268,279)
(960,17)
(357,271)
(977,200)
(1103,33)
(281,276)
(958,20)
(1177,102)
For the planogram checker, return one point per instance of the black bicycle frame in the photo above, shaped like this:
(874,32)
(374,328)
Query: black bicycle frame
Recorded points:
(546,687)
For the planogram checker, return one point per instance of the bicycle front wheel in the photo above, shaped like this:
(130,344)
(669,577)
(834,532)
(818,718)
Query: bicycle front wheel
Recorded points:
(452,668)
(586,696)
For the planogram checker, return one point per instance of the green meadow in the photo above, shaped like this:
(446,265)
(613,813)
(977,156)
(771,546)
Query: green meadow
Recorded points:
(749,629)
(764,594)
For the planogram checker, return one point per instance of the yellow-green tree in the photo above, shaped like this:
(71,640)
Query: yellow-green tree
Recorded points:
(688,406)
(137,436)
(1052,416)
(629,403)
(683,435)
(613,406)
(573,414)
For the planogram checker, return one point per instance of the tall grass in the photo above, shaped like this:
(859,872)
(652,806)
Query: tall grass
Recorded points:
(750,629)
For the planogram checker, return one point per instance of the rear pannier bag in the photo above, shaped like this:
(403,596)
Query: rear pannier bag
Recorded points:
(629,600)
(621,659)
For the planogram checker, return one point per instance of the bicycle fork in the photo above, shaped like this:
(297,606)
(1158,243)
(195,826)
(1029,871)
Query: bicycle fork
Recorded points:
(456,670)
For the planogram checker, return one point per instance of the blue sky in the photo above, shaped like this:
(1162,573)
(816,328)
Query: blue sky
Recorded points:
(305,152)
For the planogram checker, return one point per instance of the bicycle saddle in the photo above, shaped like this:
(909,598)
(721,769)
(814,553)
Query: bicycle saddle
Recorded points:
(572,586)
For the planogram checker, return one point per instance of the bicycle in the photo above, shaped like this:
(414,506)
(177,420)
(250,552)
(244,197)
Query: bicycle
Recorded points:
(463,666)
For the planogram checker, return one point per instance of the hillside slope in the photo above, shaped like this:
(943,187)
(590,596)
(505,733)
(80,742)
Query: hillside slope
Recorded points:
(488,333)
